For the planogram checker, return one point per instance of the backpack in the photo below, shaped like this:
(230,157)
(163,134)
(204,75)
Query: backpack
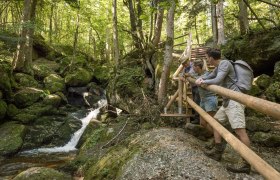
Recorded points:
(244,75)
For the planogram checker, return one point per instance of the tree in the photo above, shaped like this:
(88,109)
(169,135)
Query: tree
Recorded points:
(214,23)
(23,58)
(115,34)
(243,17)
(220,16)
(168,52)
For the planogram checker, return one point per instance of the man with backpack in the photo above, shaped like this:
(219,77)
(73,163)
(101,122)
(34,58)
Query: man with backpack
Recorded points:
(232,111)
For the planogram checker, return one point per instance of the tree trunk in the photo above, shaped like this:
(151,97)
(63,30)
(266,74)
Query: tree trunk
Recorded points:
(158,25)
(220,15)
(51,23)
(115,34)
(133,25)
(23,57)
(76,34)
(214,24)
(243,18)
(196,33)
(168,53)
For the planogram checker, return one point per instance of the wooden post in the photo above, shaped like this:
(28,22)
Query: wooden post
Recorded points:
(261,105)
(171,101)
(179,69)
(180,89)
(259,164)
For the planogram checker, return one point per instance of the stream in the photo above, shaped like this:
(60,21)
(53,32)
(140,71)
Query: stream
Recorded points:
(46,157)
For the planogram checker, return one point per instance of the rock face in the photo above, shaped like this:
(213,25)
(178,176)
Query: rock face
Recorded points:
(159,154)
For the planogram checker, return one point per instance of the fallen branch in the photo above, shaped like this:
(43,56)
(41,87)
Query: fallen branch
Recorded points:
(115,136)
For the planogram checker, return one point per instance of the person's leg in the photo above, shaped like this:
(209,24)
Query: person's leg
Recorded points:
(236,117)
(196,99)
(217,152)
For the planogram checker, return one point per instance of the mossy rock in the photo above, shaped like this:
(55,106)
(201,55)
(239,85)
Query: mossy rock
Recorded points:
(255,91)
(25,80)
(43,68)
(276,75)
(263,81)
(39,173)
(52,99)
(1,94)
(273,92)
(102,73)
(80,77)
(31,113)
(3,109)
(5,83)
(54,83)
(63,98)
(256,124)
(51,131)
(12,135)
(28,96)
(266,139)
(12,110)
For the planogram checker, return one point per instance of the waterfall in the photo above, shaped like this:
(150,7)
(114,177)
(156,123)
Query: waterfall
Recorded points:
(70,146)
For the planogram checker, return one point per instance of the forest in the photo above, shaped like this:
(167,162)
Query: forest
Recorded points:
(87,83)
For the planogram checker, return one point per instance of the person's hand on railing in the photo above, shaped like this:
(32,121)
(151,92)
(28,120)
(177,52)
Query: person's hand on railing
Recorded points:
(199,81)
(182,79)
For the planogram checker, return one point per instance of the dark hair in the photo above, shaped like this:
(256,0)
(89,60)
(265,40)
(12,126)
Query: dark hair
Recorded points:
(199,63)
(214,53)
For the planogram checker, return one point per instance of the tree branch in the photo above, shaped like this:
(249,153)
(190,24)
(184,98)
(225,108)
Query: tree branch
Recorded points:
(266,2)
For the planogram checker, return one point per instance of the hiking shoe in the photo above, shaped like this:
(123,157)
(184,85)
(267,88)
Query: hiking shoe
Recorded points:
(216,152)
(243,167)
(210,145)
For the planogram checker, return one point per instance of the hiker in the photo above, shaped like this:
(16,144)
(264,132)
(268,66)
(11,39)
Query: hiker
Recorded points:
(224,75)
(208,99)
(188,71)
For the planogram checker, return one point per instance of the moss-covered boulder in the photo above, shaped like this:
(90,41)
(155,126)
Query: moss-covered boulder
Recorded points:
(257,124)
(1,94)
(39,173)
(263,81)
(28,96)
(80,77)
(12,136)
(54,83)
(52,99)
(266,139)
(255,91)
(3,109)
(273,92)
(43,68)
(276,75)
(25,80)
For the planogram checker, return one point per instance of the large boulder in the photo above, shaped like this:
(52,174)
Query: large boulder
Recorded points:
(39,173)
(12,136)
(80,77)
(28,96)
(54,83)
(43,68)
(6,78)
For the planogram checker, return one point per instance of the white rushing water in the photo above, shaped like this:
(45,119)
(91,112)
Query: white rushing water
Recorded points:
(70,146)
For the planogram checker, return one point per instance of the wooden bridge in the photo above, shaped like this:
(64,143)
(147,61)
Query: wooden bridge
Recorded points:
(183,96)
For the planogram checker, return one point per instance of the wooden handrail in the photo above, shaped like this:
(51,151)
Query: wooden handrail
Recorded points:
(259,164)
(267,107)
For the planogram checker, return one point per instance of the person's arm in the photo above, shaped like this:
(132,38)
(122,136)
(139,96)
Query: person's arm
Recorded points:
(223,70)
(211,75)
